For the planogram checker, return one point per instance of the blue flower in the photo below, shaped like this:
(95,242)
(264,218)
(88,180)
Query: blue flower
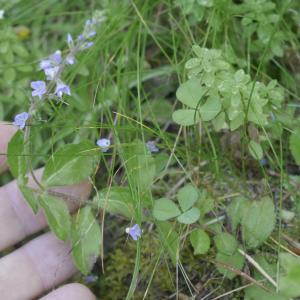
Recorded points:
(61,89)
(88,45)
(135,231)
(80,37)
(51,73)
(90,278)
(20,120)
(103,144)
(70,59)
(54,60)
(151,146)
(69,39)
(39,88)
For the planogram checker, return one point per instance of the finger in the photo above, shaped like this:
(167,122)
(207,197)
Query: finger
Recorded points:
(17,217)
(35,268)
(6,133)
(74,291)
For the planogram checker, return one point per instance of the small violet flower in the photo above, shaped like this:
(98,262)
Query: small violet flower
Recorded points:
(69,39)
(263,162)
(90,278)
(151,146)
(88,45)
(39,88)
(54,60)
(70,59)
(20,120)
(61,89)
(80,37)
(135,231)
(51,73)
(103,144)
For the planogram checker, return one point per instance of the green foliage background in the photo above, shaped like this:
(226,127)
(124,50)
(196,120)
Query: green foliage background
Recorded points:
(216,84)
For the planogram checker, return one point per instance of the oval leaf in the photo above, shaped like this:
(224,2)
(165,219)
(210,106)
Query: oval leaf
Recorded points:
(191,92)
(227,262)
(295,146)
(187,196)
(15,158)
(255,150)
(226,243)
(86,240)
(165,209)
(57,214)
(190,216)
(211,108)
(258,222)
(200,241)
(71,164)
(186,117)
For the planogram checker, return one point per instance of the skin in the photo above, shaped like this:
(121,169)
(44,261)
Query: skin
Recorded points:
(44,262)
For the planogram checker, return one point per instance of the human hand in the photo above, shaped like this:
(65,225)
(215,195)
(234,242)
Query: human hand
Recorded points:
(42,263)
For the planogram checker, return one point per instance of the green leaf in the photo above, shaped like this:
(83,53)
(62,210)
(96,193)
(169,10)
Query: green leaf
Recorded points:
(169,238)
(200,241)
(226,243)
(235,261)
(210,109)
(190,216)
(165,209)
(191,92)
(86,240)
(116,200)
(9,75)
(71,164)
(140,165)
(57,214)
(30,197)
(235,211)
(255,150)
(15,155)
(187,196)
(295,146)
(205,203)
(186,117)
(289,283)
(254,292)
(258,222)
